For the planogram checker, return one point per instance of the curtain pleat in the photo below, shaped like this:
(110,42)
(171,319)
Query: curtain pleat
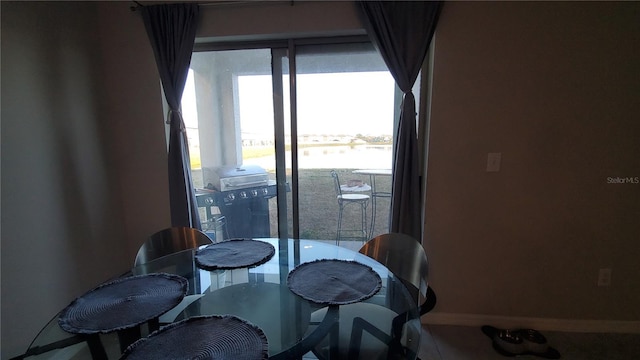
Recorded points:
(172,32)
(402,32)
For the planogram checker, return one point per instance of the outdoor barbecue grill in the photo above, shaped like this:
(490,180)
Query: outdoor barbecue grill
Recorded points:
(242,194)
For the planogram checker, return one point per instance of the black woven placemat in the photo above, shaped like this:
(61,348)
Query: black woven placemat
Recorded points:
(234,254)
(123,303)
(203,337)
(334,282)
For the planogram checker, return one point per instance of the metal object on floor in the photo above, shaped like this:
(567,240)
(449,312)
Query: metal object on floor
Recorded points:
(520,342)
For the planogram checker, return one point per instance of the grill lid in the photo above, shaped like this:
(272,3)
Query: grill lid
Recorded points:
(238,177)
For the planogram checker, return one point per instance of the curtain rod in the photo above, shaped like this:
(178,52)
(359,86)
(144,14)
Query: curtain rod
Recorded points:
(212,3)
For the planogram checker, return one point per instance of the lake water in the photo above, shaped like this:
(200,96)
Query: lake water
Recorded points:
(334,157)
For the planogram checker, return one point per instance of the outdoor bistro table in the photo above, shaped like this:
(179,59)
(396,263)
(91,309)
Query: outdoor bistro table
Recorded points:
(375,192)
(263,296)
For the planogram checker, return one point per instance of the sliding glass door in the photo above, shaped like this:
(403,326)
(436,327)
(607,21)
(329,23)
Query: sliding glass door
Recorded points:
(267,125)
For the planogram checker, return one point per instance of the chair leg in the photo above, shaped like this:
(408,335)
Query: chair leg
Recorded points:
(364,231)
(363,221)
(373,215)
(341,207)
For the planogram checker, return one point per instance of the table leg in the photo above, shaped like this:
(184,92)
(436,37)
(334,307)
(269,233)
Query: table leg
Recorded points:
(95,347)
(334,334)
(128,337)
(154,324)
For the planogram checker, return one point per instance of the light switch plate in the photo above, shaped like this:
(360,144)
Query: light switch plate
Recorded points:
(493,162)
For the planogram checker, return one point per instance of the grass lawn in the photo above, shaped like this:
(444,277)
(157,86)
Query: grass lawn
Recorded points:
(319,206)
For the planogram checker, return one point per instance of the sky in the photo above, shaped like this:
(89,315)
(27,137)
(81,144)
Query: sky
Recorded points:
(327,103)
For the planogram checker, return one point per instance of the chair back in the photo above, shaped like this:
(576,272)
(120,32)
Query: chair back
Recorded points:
(336,183)
(169,241)
(405,257)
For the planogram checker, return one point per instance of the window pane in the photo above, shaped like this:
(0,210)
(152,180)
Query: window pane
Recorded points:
(228,112)
(346,107)
(345,122)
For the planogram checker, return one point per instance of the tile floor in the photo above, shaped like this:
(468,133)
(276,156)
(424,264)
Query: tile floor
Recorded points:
(447,342)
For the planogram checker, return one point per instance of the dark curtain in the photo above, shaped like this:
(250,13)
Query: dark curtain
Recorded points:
(402,32)
(172,32)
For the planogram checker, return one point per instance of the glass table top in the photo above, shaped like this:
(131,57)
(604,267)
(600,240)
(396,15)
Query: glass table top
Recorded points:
(260,295)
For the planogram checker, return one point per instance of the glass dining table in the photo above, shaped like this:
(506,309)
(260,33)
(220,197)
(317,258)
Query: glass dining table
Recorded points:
(293,325)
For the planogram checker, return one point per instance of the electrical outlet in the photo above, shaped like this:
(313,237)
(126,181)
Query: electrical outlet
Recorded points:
(604,277)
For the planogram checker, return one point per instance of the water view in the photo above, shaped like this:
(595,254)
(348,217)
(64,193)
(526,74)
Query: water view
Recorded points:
(333,157)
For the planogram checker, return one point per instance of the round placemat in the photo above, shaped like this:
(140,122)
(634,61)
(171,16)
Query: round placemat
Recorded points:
(203,337)
(234,254)
(123,303)
(334,282)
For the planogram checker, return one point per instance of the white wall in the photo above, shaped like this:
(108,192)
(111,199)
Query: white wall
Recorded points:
(554,87)
(61,219)
(279,19)
(133,109)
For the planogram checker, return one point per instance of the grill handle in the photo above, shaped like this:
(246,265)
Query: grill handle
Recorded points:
(247,184)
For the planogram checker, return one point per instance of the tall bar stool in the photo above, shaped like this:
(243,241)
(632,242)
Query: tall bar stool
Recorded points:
(344,199)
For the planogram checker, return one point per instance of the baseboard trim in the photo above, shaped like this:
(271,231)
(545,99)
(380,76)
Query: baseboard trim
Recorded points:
(507,322)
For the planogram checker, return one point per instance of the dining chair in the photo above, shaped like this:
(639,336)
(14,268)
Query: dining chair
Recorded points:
(381,336)
(345,199)
(169,241)
(405,257)
(166,242)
